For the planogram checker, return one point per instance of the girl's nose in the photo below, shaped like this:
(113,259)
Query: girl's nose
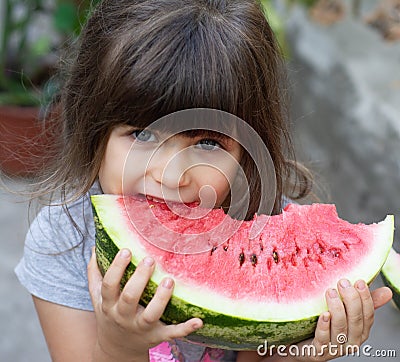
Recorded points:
(169,167)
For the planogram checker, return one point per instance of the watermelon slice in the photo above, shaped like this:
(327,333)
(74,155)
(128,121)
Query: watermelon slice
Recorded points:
(246,290)
(391,275)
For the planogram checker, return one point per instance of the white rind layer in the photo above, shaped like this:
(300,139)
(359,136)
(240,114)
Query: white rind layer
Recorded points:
(391,269)
(113,222)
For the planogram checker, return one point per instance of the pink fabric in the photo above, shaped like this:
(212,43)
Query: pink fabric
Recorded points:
(165,352)
(161,353)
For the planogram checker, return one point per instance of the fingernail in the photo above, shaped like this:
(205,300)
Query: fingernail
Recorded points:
(325,317)
(125,253)
(197,326)
(167,283)
(148,261)
(332,293)
(361,285)
(344,283)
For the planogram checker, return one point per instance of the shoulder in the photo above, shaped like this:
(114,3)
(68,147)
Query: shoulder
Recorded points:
(56,254)
(58,228)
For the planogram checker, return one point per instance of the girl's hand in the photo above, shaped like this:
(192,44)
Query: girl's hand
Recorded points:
(348,322)
(349,318)
(126,330)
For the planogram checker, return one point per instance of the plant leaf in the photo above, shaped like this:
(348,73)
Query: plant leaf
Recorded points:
(66,18)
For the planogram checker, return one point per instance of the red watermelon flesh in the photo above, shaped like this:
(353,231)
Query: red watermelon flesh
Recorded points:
(295,252)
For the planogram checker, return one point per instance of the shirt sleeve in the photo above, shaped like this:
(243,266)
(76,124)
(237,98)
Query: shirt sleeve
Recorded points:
(56,253)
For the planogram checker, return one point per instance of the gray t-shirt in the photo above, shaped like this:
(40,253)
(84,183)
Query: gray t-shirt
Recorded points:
(56,255)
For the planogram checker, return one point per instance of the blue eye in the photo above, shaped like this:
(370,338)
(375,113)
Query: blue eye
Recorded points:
(209,144)
(144,135)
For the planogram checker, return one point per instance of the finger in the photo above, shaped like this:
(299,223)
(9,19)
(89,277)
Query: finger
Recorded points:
(338,315)
(110,289)
(354,312)
(156,307)
(181,330)
(322,332)
(368,308)
(381,296)
(133,290)
(94,279)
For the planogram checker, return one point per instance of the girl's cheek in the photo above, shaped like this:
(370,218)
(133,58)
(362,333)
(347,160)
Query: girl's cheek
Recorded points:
(222,188)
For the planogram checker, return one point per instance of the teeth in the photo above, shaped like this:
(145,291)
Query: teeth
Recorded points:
(150,198)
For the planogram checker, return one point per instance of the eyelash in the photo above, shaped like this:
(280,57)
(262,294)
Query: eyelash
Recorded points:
(218,143)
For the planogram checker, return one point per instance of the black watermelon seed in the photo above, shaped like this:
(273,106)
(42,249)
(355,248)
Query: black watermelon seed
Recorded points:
(276,257)
(241,258)
(253,259)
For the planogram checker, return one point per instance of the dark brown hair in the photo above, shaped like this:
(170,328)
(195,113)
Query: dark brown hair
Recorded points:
(139,60)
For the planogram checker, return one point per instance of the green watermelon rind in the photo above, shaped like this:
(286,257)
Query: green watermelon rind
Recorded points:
(391,276)
(229,331)
(222,329)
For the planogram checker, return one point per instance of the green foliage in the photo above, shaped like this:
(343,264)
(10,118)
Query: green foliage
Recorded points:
(27,62)
(306,3)
(276,23)
(66,18)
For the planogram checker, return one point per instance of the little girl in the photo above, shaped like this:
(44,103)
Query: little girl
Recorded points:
(137,61)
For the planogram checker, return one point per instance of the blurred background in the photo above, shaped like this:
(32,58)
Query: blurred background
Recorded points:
(343,59)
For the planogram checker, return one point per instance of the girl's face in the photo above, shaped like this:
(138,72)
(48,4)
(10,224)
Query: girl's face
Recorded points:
(180,168)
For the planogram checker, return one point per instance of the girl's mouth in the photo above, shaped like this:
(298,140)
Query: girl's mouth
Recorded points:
(159,200)
(154,199)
